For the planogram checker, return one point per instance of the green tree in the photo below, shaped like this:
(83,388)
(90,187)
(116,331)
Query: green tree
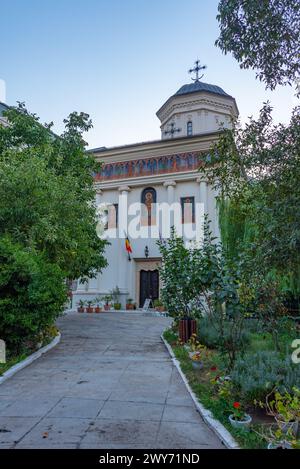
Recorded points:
(258,169)
(32,294)
(46,192)
(263,35)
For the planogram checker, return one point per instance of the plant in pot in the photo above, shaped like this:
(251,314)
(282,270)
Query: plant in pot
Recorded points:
(89,308)
(158,305)
(115,293)
(129,304)
(197,362)
(285,408)
(80,306)
(98,307)
(239,418)
(277,439)
(107,300)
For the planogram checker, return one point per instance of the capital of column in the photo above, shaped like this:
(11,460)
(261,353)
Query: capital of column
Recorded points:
(124,189)
(169,183)
(201,179)
(99,191)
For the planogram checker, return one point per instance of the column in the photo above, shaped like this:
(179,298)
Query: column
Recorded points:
(170,185)
(99,193)
(123,268)
(203,193)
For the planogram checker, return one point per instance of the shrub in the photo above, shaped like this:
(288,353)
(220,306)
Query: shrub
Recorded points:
(209,335)
(32,294)
(255,375)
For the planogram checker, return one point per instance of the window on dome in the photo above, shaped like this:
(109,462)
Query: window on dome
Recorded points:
(189,128)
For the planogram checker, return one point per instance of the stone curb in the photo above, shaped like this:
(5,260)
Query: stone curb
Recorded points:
(206,414)
(27,361)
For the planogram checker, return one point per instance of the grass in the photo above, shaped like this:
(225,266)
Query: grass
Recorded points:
(12,361)
(12,358)
(200,382)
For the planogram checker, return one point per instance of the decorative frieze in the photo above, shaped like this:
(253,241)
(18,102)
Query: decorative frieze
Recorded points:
(150,166)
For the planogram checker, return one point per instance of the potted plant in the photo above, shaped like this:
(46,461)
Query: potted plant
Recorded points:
(98,307)
(89,308)
(115,293)
(285,408)
(277,439)
(158,305)
(107,299)
(80,306)
(197,362)
(239,418)
(129,304)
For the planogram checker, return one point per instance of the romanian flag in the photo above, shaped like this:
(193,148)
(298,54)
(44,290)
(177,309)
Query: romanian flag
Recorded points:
(128,247)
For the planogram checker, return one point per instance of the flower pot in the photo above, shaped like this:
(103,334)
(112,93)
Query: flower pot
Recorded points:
(106,307)
(283,445)
(197,364)
(291,427)
(240,424)
(80,309)
(89,309)
(98,309)
(117,306)
(129,306)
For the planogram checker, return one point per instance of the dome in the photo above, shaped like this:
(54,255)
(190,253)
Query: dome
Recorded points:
(200,86)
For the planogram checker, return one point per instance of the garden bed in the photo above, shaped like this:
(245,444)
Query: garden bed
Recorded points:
(204,384)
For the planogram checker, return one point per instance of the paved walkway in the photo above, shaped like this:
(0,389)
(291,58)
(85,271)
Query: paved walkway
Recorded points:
(110,383)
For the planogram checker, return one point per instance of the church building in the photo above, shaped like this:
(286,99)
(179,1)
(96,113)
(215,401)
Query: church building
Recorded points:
(160,171)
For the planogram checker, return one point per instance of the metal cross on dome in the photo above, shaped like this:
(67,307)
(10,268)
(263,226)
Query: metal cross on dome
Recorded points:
(197,69)
(172,130)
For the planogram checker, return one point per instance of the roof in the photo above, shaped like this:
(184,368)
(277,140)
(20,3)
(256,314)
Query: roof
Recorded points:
(3,107)
(200,86)
(166,141)
(196,87)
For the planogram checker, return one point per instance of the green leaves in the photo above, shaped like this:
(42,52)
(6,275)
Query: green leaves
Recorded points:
(262,35)
(46,193)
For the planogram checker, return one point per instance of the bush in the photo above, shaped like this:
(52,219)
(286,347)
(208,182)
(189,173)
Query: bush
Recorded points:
(255,375)
(210,336)
(32,294)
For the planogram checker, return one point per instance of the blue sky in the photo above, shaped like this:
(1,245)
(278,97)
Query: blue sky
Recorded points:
(118,60)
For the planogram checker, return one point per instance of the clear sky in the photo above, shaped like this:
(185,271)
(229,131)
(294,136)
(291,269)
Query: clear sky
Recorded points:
(118,60)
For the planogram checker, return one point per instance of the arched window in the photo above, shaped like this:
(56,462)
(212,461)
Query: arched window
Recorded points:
(148,198)
(189,128)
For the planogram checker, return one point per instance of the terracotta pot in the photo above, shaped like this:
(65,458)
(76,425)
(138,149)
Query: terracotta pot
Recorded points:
(187,327)
(129,306)
(89,309)
(80,309)
(106,307)
(98,309)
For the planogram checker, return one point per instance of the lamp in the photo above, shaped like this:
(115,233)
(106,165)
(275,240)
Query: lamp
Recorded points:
(146,251)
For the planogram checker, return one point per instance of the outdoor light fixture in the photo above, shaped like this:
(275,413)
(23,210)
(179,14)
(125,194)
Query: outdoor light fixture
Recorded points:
(146,251)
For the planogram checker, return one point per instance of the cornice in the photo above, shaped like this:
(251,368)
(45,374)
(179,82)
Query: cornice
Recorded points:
(151,180)
(158,148)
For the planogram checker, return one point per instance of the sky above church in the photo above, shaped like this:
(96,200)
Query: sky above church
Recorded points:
(119,61)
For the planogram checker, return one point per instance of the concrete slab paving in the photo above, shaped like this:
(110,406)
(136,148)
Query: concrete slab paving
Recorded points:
(110,383)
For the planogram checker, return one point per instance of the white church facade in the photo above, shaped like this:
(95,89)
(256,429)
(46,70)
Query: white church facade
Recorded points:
(152,173)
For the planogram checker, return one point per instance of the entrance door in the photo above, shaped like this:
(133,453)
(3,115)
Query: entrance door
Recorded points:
(149,285)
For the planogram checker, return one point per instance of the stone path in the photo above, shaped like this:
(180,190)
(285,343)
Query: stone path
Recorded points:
(110,383)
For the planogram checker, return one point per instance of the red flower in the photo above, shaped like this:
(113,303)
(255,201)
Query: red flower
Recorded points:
(213,368)
(236,405)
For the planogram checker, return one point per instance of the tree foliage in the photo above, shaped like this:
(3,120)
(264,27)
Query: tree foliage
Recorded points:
(46,193)
(258,169)
(263,35)
(32,293)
